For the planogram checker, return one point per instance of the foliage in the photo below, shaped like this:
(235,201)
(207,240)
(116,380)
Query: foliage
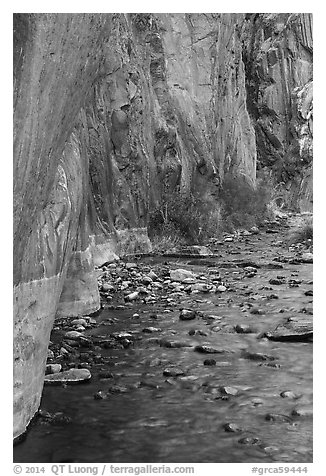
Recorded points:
(185,219)
(303,232)
(243,205)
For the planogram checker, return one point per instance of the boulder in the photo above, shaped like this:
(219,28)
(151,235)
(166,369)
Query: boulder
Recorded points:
(292,331)
(181,275)
(70,376)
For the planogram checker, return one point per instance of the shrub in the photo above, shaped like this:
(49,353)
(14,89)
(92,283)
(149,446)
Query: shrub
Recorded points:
(243,205)
(185,218)
(303,232)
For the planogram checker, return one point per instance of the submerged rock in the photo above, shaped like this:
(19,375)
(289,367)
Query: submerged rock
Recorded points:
(187,315)
(69,377)
(173,372)
(292,331)
(206,349)
(232,428)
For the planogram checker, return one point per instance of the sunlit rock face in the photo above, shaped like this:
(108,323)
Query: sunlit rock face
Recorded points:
(277,52)
(113,110)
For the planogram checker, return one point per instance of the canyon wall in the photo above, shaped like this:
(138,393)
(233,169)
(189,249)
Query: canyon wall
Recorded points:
(111,111)
(278,56)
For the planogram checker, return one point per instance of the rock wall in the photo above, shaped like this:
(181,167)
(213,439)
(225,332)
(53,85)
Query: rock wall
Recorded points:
(278,56)
(110,112)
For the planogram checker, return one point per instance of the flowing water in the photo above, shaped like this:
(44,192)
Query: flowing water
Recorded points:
(150,417)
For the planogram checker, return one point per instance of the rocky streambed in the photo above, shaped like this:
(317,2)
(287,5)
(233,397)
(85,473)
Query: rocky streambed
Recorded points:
(203,355)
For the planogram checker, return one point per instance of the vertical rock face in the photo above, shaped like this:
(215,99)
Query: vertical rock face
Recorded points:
(111,111)
(56,59)
(277,52)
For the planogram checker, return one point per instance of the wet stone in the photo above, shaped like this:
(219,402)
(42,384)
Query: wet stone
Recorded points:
(100,395)
(173,372)
(221,288)
(206,349)
(150,330)
(289,394)
(243,329)
(276,281)
(52,369)
(174,344)
(73,335)
(69,376)
(105,375)
(229,391)
(277,417)
(258,356)
(187,315)
(302,412)
(209,362)
(248,440)
(232,428)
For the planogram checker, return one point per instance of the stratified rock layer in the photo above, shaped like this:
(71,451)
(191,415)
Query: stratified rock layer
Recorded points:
(111,111)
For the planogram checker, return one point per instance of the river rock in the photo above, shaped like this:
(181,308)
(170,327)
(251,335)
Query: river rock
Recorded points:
(243,329)
(206,349)
(150,330)
(289,394)
(258,356)
(248,440)
(187,315)
(221,288)
(131,266)
(307,257)
(181,275)
(304,411)
(292,331)
(133,296)
(74,335)
(277,417)
(276,281)
(232,428)
(173,372)
(79,322)
(174,344)
(201,287)
(69,376)
(209,362)
(53,369)
(229,391)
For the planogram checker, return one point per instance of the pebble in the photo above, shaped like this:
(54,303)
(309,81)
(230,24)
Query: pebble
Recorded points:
(79,322)
(229,391)
(187,315)
(257,401)
(277,417)
(258,356)
(243,329)
(132,296)
(150,330)
(249,441)
(232,428)
(289,394)
(182,275)
(302,412)
(206,349)
(221,288)
(73,335)
(173,372)
(276,281)
(209,362)
(53,368)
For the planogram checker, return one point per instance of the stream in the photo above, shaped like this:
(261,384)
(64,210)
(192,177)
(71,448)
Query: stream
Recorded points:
(157,396)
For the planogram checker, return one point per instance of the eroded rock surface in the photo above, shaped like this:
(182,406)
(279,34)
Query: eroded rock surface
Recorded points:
(110,112)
